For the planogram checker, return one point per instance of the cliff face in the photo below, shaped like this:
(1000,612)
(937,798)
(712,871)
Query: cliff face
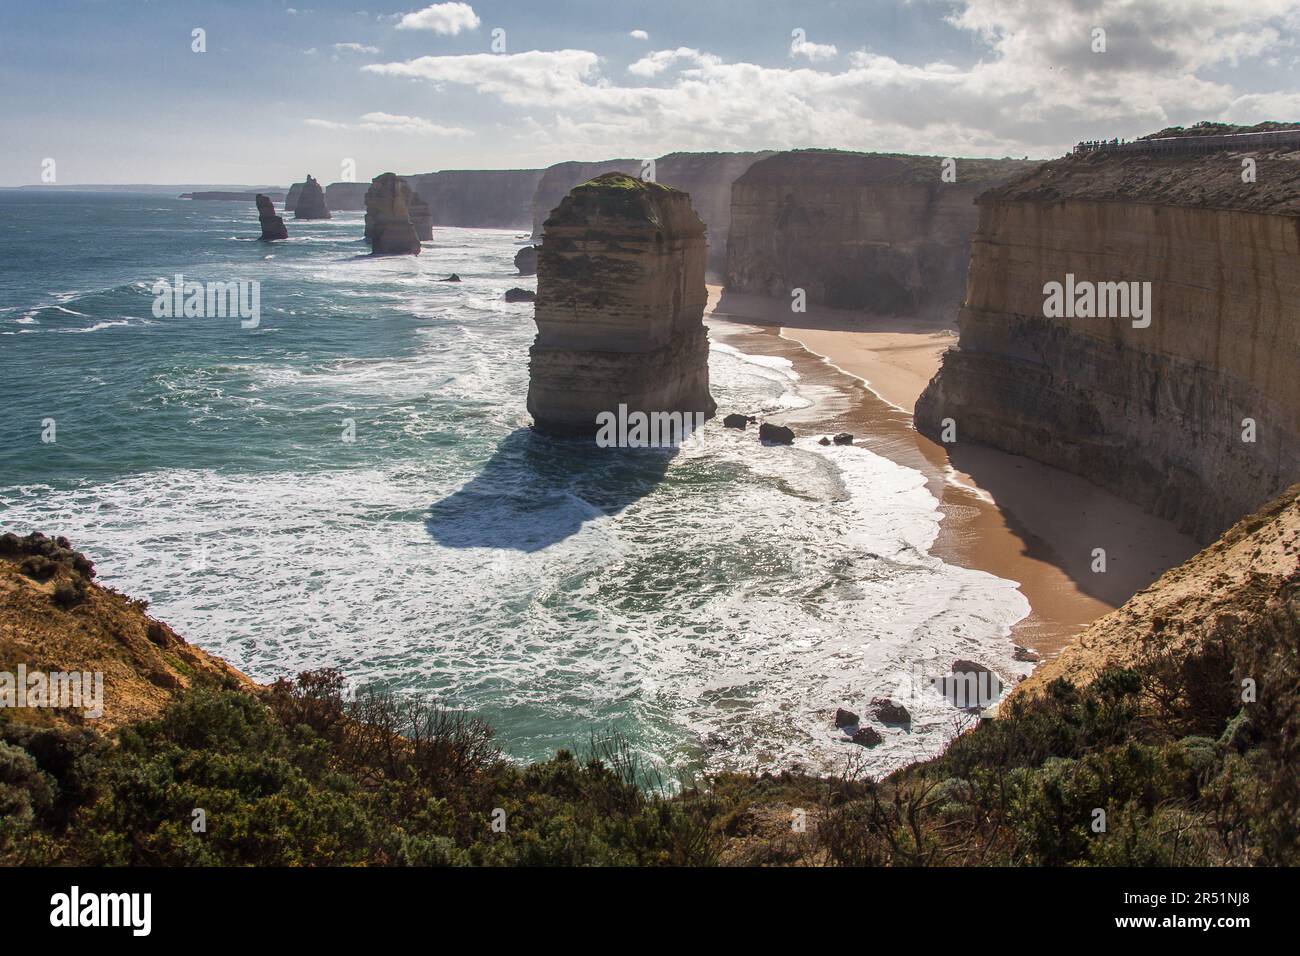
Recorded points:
(272,225)
(878,232)
(421,217)
(708,178)
(346,196)
(1153,413)
(311,202)
(388,218)
(483,198)
(556,181)
(620,307)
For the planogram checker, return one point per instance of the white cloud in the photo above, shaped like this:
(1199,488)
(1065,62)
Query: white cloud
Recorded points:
(355,48)
(655,63)
(447,19)
(1035,88)
(639,35)
(391,123)
(813,51)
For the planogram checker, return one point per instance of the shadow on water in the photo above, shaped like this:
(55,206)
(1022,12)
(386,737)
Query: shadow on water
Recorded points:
(536,491)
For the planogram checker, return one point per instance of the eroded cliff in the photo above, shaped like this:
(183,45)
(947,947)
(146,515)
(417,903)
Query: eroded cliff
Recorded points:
(389,229)
(879,232)
(482,198)
(1193,412)
(620,307)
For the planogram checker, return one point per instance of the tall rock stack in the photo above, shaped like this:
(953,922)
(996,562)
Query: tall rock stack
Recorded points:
(311,202)
(388,218)
(620,307)
(272,225)
(421,216)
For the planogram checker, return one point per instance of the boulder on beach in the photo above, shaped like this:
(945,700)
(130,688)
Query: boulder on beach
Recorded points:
(843,438)
(311,202)
(971,686)
(272,225)
(845,718)
(887,712)
(736,420)
(867,737)
(775,434)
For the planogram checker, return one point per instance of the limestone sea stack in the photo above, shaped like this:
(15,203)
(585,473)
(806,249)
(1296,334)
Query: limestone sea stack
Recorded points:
(421,217)
(388,218)
(620,307)
(1133,316)
(291,200)
(272,225)
(311,202)
(526,261)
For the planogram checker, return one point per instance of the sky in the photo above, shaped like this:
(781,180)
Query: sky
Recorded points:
(115,91)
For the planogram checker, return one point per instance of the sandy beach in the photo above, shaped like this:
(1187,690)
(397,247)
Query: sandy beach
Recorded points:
(1003,514)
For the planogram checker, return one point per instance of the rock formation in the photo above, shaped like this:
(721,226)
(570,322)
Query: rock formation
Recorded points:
(556,181)
(291,200)
(388,218)
(526,261)
(873,231)
(311,202)
(620,306)
(272,225)
(708,178)
(483,198)
(421,218)
(341,197)
(1193,412)
(520,295)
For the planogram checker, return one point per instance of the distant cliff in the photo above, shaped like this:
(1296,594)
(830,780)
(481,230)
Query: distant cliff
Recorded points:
(346,196)
(879,232)
(620,307)
(1196,415)
(708,178)
(556,181)
(486,198)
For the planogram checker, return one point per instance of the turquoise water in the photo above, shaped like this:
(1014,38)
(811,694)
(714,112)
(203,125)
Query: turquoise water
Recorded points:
(711,603)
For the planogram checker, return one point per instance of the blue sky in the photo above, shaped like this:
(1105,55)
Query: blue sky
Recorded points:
(112,90)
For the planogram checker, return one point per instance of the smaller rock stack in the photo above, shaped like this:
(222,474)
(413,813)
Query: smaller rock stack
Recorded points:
(311,202)
(388,218)
(291,200)
(526,261)
(272,225)
(421,216)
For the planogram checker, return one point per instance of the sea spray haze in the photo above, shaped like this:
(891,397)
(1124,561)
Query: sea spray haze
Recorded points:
(353,483)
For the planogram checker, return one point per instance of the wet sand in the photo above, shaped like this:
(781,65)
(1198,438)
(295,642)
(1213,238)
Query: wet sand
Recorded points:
(1003,514)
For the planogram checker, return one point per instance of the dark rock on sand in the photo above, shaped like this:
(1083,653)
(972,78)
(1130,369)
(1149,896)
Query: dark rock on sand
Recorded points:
(775,434)
(887,712)
(867,737)
(735,420)
(845,718)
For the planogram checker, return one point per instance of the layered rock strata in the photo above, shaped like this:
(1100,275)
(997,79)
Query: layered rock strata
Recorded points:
(1193,412)
(388,218)
(620,306)
(340,197)
(421,217)
(272,225)
(481,198)
(708,178)
(884,233)
(311,202)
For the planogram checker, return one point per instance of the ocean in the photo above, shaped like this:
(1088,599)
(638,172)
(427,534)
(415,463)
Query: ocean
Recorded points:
(353,484)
